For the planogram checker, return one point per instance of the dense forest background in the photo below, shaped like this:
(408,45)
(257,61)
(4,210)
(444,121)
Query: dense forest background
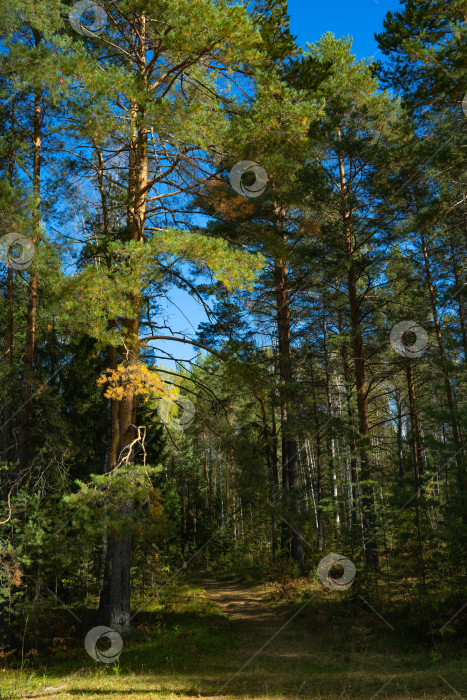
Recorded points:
(315,207)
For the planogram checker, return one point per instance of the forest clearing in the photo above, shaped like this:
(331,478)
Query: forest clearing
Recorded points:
(195,646)
(233,366)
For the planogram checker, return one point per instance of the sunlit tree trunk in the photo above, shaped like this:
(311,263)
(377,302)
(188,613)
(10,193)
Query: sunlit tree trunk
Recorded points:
(115,596)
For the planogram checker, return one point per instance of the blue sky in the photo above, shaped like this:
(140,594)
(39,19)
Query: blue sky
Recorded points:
(310,19)
(360,19)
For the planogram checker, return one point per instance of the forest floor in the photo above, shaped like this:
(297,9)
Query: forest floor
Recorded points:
(227,640)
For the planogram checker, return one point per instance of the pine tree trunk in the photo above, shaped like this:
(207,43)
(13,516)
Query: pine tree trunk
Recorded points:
(273,476)
(290,475)
(7,455)
(399,436)
(367,498)
(319,493)
(356,514)
(114,607)
(207,475)
(417,449)
(319,475)
(331,444)
(30,344)
(461,476)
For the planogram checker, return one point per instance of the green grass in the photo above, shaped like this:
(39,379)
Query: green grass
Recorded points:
(184,646)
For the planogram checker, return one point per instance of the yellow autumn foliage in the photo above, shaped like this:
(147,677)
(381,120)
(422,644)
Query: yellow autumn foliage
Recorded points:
(134,379)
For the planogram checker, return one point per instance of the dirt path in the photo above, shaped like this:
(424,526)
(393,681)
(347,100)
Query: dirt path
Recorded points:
(286,652)
(255,621)
(238,601)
